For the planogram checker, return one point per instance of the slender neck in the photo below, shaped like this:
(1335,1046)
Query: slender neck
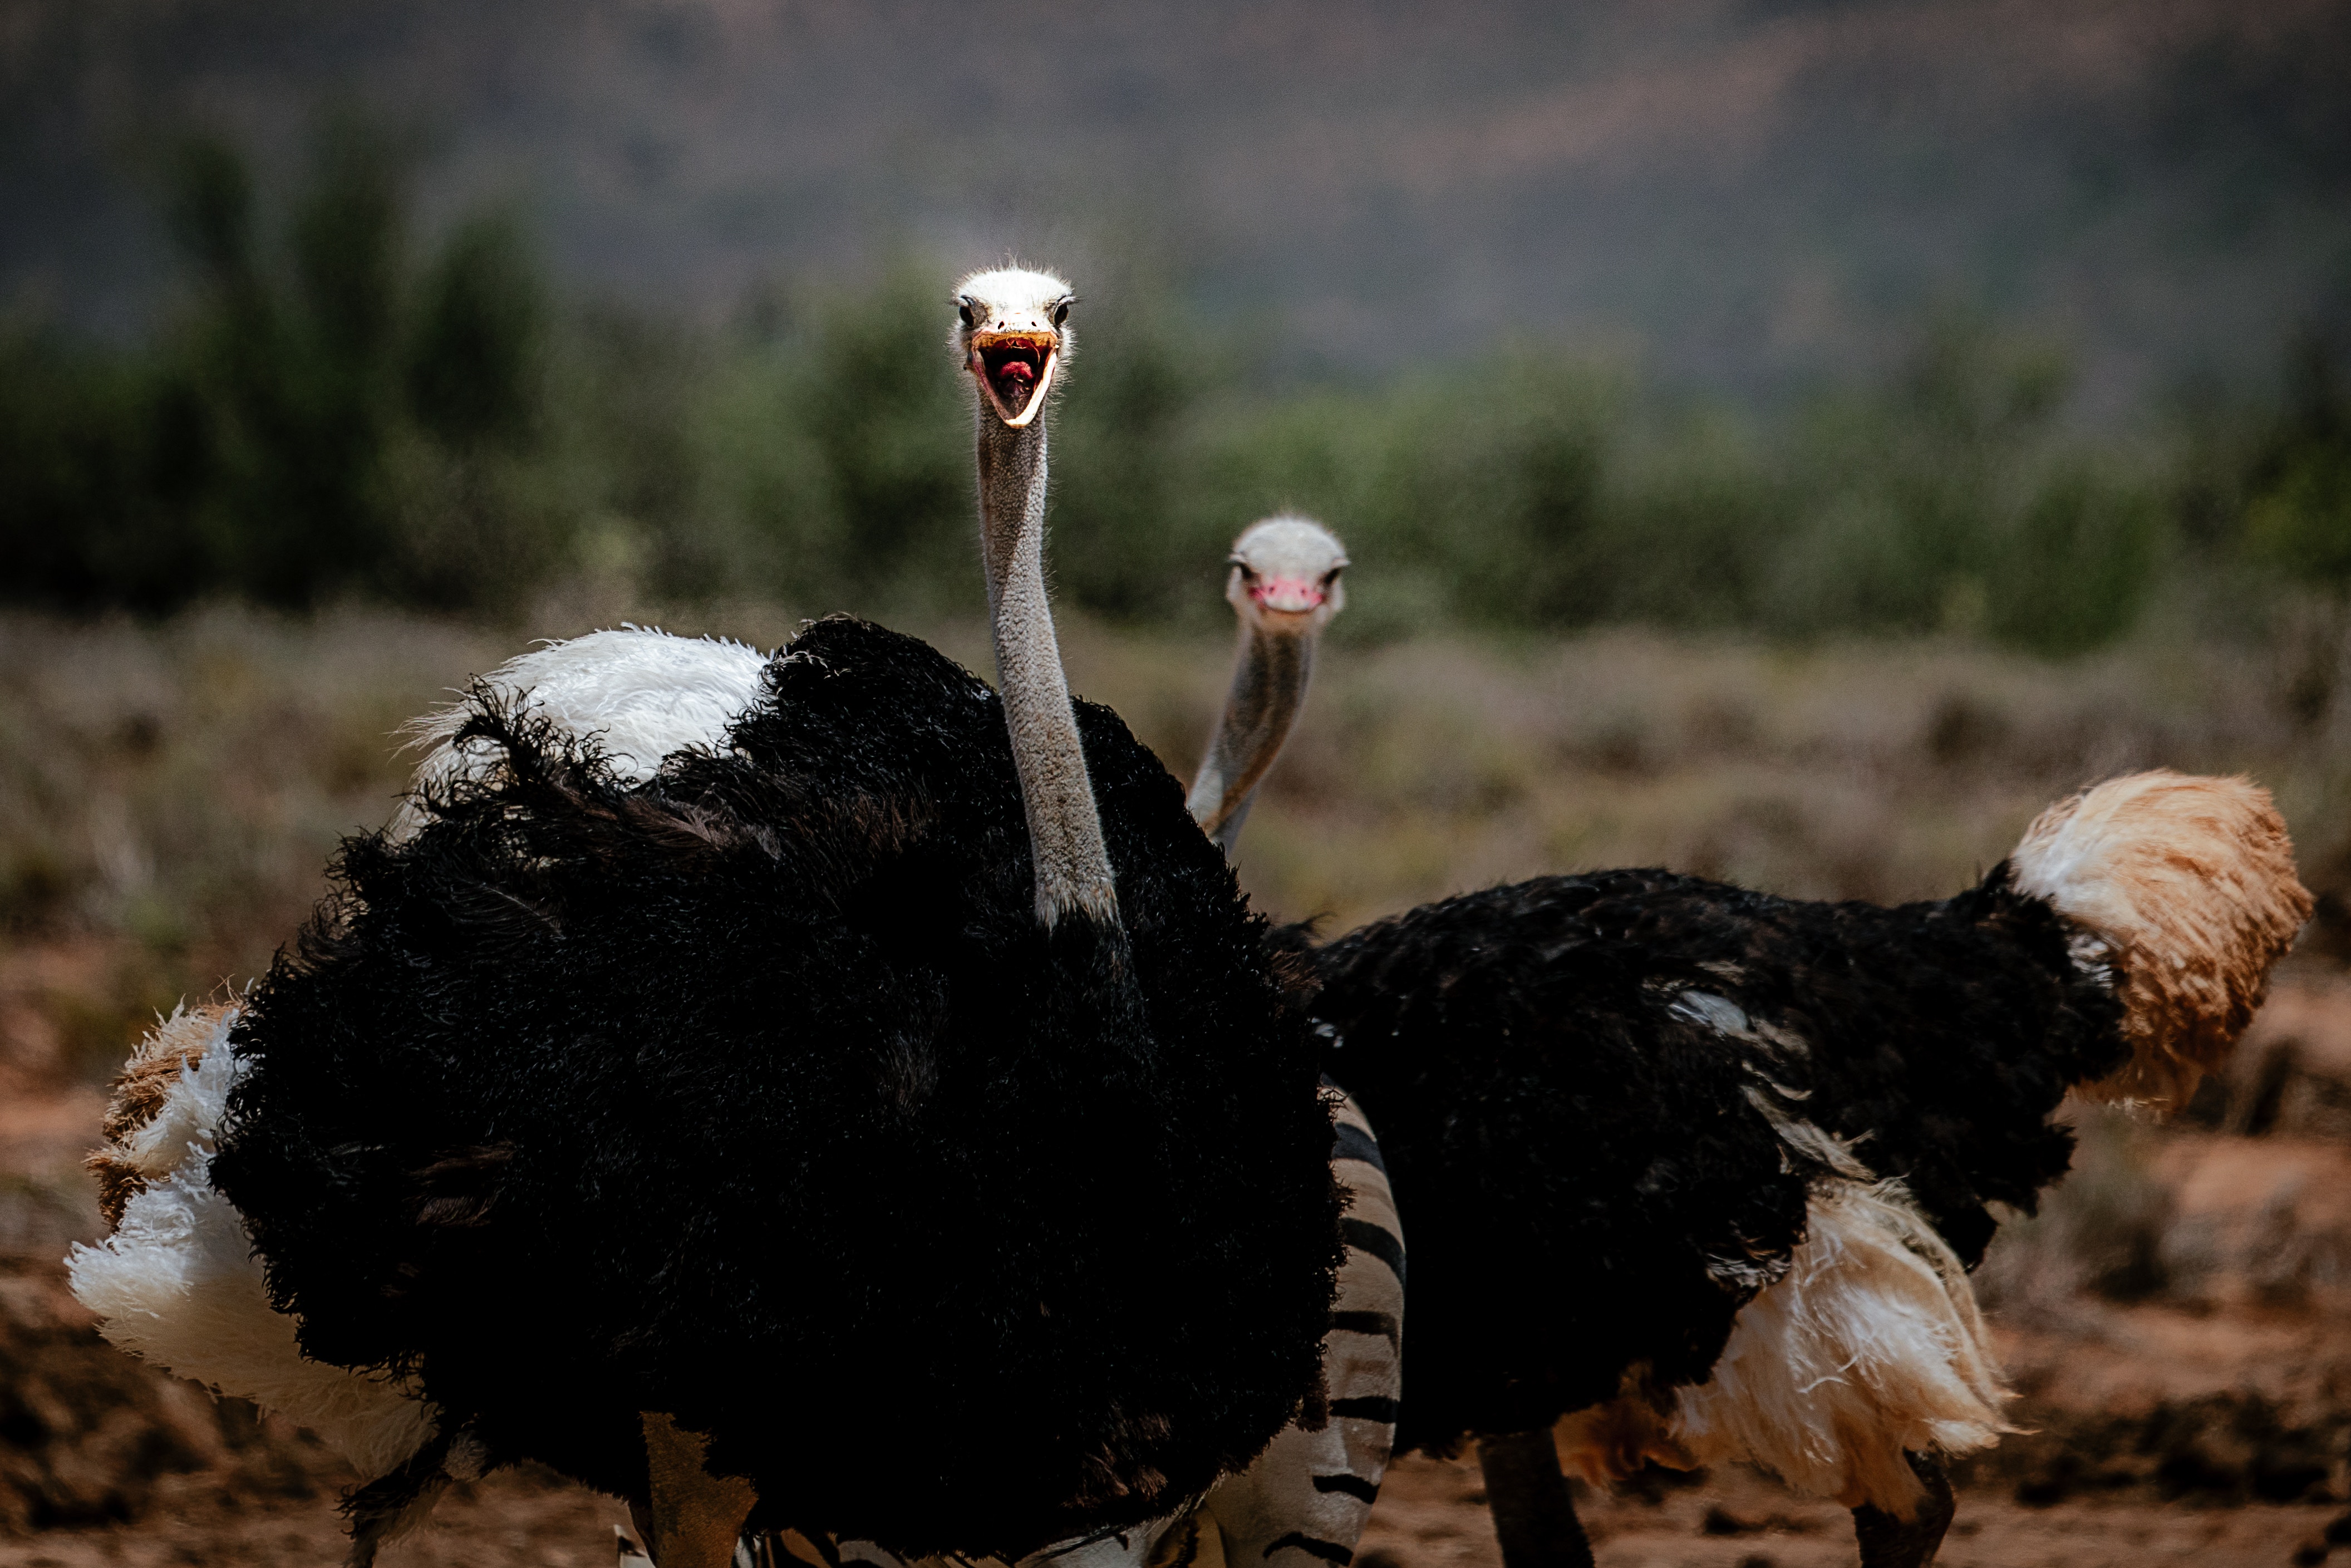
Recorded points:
(1269,676)
(1065,837)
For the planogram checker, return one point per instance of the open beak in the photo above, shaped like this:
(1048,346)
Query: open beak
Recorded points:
(1015,371)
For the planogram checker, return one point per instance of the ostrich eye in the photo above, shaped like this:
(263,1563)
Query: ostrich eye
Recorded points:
(963,309)
(1060,312)
(1331,576)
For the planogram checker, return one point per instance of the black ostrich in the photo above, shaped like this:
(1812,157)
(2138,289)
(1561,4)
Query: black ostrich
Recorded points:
(1704,1170)
(785,1135)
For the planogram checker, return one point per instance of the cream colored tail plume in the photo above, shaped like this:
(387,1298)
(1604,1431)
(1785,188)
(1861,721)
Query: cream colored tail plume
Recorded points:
(177,1282)
(2189,885)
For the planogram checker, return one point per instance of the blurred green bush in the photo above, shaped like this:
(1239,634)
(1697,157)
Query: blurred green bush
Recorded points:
(319,418)
(337,411)
(2298,507)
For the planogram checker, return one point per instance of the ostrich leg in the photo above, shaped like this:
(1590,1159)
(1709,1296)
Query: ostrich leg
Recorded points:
(697,1517)
(1534,1517)
(1888,1542)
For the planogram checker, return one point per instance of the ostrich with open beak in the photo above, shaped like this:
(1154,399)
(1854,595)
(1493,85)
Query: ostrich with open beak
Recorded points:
(778,1122)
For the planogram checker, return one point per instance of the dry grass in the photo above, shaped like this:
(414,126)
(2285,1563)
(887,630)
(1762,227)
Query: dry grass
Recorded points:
(1882,771)
(169,795)
(170,792)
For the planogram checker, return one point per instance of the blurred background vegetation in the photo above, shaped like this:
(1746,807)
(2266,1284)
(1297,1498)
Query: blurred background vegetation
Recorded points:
(1801,488)
(344,403)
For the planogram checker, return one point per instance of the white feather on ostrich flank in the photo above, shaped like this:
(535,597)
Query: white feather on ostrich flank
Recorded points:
(177,1282)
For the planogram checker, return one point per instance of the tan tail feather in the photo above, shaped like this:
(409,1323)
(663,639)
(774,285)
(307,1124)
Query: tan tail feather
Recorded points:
(138,1091)
(2188,883)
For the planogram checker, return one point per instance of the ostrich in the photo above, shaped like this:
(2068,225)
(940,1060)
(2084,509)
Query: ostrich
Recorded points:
(1284,589)
(1704,1171)
(1770,1128)
(771,1133)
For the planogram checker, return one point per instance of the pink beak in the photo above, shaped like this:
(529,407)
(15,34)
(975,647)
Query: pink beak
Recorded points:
(1292,594)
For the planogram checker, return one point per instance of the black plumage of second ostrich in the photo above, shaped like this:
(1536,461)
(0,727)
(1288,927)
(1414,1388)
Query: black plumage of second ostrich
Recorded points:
(1703,1170)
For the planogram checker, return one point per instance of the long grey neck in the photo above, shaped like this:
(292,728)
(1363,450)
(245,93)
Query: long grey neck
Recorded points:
(1065,837)
(1269,676)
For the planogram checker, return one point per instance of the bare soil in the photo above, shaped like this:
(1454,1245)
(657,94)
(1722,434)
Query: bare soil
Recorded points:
(1432,1515)
(511,1521)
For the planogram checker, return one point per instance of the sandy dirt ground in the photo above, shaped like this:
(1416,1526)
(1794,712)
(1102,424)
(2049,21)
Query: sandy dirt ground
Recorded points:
(509,1522)
(1431,1515)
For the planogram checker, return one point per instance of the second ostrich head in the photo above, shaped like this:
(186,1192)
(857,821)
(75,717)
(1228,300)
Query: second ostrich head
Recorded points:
(1284,588)
(1012,339)
(1285,577)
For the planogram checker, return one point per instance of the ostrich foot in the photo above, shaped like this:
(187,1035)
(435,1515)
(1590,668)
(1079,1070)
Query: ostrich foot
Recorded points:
(1889,1543)
(1534,1515)
(697,1517)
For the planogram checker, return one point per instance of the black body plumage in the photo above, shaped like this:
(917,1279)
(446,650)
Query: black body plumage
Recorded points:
(1578,1132)
(758,1094)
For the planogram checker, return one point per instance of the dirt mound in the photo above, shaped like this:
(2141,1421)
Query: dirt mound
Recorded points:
(2224,1449)
(90,1436)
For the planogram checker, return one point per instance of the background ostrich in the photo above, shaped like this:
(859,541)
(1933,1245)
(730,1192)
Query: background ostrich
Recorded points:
(724,1136)
(1311,1493)
(1838,1318)
(1284,589)
(1707,1168)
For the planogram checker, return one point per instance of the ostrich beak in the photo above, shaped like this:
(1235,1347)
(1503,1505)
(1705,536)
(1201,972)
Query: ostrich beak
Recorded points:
(1287,595)
(1015,371)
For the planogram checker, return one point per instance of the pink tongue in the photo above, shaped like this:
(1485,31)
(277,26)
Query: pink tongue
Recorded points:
(1018,371)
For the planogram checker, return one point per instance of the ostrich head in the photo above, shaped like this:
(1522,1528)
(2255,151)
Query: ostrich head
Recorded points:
(1284,588)
(1285,577)
(1011,333)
